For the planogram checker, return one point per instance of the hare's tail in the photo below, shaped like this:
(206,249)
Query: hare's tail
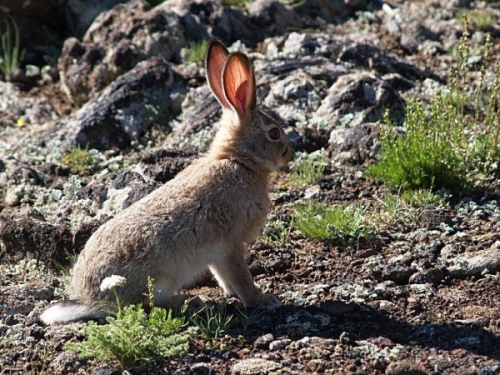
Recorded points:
(71,311)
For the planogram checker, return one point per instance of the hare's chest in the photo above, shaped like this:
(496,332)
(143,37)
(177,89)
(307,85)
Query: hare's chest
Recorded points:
(255,217)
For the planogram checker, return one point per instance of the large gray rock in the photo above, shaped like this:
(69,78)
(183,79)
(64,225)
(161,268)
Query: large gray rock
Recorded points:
(115,42)
(146,95)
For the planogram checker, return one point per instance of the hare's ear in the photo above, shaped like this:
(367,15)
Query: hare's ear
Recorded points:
(214,63)
(238,84)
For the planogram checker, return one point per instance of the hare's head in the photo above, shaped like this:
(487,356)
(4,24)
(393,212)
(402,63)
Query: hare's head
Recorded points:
(246,133)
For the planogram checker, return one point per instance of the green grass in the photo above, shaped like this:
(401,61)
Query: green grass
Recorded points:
(405,206)
(237,3)
(197,51)
(12,56)
(308,168)
(340,223)
(79,160)
(481,19)
(453,144)
(214,321)
(134,338)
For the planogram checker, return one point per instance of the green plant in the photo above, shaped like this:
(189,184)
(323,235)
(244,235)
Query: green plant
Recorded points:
(320,220)
(453,145)
(276,231)
(214,322)
(308,168)
(133,337)
(197,51)
(482,19)
(12,55)
(79,160)
(237,3)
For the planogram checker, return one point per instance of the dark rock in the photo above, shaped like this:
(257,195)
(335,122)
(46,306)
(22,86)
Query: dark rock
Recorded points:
(116,42)
(355,145)
(146,95)
(26,231)
(163,165)
(262,342)
(431,217)
(85,229)
(432,276)
(338,308)
(400,274)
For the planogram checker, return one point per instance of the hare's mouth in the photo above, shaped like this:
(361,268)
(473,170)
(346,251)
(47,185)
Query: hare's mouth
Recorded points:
(284,153)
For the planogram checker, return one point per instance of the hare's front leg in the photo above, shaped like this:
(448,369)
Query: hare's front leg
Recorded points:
(233,275)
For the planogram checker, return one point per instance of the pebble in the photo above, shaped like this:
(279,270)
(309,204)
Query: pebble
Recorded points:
(279,344)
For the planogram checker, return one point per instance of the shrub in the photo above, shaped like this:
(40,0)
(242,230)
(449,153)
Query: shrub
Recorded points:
(197,51)
(12,55)
(79,160)
(453,145)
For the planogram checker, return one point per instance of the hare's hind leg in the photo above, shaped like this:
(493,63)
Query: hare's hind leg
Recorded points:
(233,275)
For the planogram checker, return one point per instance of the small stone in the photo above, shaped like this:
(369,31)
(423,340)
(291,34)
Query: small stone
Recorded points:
(403,368)
(262,342)
(279,344)
(254,366)
(316,365)
(337,308)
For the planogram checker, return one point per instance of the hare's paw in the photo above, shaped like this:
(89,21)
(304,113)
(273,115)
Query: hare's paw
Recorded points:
(269,302)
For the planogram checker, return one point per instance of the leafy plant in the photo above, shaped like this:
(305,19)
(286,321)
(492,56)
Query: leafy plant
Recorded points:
(197,51)
(12,55)
(308,168)
(79,160)
(237,3)
(133,337)
(482,19)
(214,322)
(454,145)
(320,220)
(276,231)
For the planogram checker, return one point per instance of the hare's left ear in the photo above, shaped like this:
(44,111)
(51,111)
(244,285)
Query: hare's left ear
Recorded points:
(238,85)
(214,63)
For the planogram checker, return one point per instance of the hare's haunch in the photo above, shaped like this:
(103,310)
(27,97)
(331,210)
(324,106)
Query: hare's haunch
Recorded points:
(202,219)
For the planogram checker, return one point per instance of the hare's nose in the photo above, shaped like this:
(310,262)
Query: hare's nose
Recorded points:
(295,138)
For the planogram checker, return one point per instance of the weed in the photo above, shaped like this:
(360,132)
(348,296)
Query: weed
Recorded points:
(308,168)
(276,231)
(79,160)
(482,19)
(214,322)
(197,51)
(455,144)
(12,55)
(132,337)
(319,220)
(237,3)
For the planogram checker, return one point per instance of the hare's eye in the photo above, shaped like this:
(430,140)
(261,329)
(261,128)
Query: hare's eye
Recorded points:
(274,134)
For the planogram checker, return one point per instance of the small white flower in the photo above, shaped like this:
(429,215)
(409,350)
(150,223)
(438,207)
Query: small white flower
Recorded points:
(111,282)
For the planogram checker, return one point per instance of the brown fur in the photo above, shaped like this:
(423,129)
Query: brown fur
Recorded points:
(204,218)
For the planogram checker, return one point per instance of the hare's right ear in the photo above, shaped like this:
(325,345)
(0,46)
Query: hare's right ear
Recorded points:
(214,63)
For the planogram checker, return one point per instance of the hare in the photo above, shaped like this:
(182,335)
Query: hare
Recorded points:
(202,219)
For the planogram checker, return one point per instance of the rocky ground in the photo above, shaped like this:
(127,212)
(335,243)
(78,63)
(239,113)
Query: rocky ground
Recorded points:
(422,296)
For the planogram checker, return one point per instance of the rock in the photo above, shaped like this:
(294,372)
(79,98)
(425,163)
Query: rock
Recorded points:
(338,308)
(474,264)
(272,17)
(431,276)
(255,366)
(404,368)
(145,95)
(26,232)
(262,342)
(358,98)
(431,217)
(163,165)
(115,43)
(16,108)
(354,145)
(279,344)
(400,274)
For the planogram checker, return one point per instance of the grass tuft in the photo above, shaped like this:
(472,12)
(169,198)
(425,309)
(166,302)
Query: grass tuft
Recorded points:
(308,168)
(322,221)
(197,51)
(12,56)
